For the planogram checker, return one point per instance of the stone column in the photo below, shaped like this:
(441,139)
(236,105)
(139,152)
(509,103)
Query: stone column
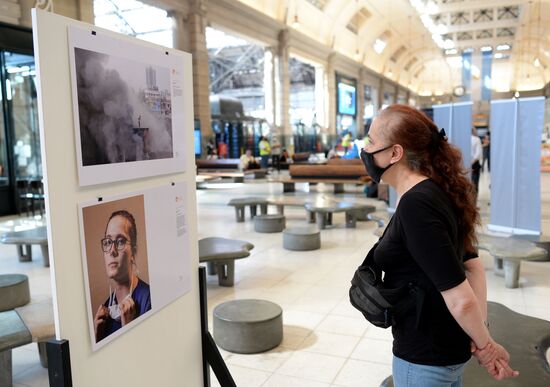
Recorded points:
(86,11)
(270,85)
(321,96)
(282,92)
(180,36)
(26,6)
(380,94)
(190,36)
(331,86)
(360,103)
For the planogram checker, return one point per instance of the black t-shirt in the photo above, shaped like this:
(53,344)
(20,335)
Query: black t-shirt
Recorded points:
(423,245)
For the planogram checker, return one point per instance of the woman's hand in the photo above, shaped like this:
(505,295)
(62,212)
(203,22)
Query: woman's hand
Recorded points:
(99,321)
(127,310)
(494,358)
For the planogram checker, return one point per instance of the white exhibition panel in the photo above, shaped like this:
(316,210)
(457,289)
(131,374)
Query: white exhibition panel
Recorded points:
(516,129)
(164,349)
(456,119)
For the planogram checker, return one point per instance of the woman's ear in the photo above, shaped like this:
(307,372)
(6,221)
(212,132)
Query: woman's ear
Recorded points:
(397,153)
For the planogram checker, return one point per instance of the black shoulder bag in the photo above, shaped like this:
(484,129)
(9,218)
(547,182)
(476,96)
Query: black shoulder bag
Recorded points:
(379,304)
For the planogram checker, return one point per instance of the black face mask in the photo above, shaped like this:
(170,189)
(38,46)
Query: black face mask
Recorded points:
(374,171)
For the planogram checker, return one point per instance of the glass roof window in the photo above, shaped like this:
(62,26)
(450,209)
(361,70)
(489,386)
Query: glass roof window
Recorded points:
(135,18)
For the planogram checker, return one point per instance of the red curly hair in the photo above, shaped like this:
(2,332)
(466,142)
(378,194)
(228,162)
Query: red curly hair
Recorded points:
(429,154)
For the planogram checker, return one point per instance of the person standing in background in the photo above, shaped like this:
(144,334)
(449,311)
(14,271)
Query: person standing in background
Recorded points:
(486,144)
(265,152)
(210,149)
(476,159)
(275,152)
(346,141)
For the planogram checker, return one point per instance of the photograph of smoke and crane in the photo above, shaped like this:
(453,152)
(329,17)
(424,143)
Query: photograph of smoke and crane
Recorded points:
(124,108)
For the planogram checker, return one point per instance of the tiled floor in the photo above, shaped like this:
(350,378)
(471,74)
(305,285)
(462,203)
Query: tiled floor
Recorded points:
(326,341)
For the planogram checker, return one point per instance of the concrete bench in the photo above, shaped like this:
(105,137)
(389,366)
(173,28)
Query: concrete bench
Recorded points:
(248,326)
(526,338)
(382,218)
(30,323)
(14,291)
(24,241)
(541,241)
(252,202)
(293,201)
(269,223)
(323,212)
(217,164)
(289,184)
(220,254)
(508,254)
(202,180)
(236,177)
(282,201)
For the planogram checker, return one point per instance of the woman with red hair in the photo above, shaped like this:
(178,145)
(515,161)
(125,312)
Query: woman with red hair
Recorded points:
(430,242)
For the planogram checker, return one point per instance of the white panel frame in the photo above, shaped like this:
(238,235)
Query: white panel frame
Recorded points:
(165,349)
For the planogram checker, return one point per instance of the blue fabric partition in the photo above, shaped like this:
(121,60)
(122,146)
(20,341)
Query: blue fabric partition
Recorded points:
(393,200)
(516,129)
(456,118)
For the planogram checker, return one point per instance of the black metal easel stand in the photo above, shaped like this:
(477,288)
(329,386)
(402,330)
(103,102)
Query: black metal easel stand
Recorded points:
(210,354)
(59,363)
(59,360)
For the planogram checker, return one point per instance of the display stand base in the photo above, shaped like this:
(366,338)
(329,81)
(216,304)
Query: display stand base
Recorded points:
(211,356)
(59,363)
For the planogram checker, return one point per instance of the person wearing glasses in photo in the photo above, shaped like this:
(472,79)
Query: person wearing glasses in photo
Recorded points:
(129,296)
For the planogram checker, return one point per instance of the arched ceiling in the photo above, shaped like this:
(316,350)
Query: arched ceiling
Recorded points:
(411,56)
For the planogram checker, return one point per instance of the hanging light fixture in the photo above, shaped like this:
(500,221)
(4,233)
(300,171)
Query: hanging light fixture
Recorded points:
(295,22)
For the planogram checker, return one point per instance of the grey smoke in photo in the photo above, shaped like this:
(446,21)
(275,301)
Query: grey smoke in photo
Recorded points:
(124,114)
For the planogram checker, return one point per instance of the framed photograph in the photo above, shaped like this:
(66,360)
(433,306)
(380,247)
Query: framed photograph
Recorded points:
(134,257)
(128,107)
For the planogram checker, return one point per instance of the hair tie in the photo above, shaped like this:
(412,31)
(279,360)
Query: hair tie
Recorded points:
(437,137)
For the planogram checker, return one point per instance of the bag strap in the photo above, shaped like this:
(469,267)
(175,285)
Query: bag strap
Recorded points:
(369,259)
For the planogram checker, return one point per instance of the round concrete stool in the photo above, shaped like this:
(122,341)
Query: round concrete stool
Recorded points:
(248,326)
(302,238)
(14,291)
(269,223)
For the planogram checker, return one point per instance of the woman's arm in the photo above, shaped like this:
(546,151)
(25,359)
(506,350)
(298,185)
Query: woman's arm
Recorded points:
(463,304)
(464,307)
(475,274)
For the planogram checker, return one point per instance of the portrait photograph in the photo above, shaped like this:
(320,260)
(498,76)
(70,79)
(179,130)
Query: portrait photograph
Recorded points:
(130,111)
(117,264)
(135,255)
